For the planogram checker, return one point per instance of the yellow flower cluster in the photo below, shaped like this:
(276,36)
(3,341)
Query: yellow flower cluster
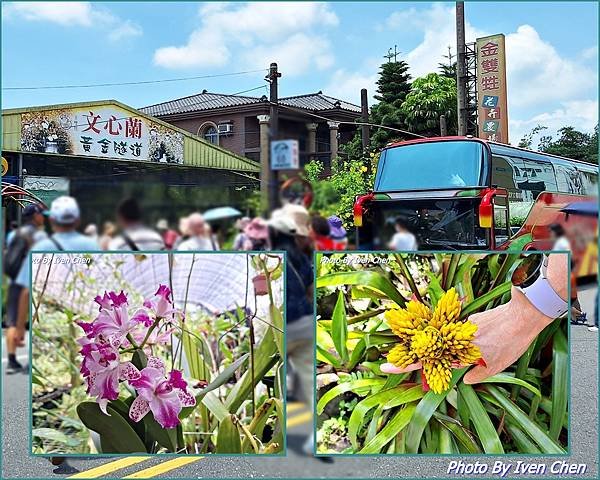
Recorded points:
(437,339)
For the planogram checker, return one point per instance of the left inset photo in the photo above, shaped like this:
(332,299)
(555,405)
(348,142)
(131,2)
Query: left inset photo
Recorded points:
(157,353)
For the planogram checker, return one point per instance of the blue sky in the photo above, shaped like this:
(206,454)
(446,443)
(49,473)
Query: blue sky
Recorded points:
(335,47)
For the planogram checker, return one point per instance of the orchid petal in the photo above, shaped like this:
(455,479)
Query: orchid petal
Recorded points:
(128,371)
(186,398)
(166,409)
(139,408)
(157,363)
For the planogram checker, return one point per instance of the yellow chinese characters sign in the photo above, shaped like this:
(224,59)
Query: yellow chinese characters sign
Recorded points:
(492,113)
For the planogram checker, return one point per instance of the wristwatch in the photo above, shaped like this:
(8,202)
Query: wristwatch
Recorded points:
(531,279)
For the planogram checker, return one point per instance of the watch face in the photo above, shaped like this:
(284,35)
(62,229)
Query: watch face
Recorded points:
(527,271)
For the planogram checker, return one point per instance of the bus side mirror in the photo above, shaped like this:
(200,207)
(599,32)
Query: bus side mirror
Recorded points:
(359,208)
(486,209)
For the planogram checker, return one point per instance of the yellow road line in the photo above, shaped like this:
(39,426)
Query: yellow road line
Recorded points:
(292,407)
(109,467)
(299,419)
(163,467)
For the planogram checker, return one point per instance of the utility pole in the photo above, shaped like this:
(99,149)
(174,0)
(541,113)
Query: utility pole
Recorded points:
(461,93)
(364,117)
(443,126)
(273,133)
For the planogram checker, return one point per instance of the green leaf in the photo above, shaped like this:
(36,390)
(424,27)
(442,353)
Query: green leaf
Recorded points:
(424,411)
(482,422)
(54,436)
(522,366)
(399,421)
(366,279)
(388,398)
(257,425)
(434,289)
(560,383)
(360,387)
(165,437)
(277,320)
(463,278)
(113,429)
(521,440)
(216,407)
(228,438)
(265,357)
(445,437)
(484,299)
(339,327)
(220,380)
(327,357)
(357,354)
(546,443)
(506,377)
(461,434)
(139,359)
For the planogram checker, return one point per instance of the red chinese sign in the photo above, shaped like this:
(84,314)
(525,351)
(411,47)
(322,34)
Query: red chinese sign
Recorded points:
(491,89)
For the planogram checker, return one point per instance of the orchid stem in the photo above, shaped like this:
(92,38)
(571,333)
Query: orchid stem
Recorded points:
(150,330)
(132,341)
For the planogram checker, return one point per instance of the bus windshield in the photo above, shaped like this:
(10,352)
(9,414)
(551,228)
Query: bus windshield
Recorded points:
(429,165)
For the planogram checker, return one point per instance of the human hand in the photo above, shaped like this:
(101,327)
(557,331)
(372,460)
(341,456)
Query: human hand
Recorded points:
(504,333)
(18,336)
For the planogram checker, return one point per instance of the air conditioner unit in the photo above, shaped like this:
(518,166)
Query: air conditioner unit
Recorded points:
(225,128)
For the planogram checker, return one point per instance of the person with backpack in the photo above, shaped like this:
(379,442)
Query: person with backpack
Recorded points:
(18,247)
(134,235)
(64,219)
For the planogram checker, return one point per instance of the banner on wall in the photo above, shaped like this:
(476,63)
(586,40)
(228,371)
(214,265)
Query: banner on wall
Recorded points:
(105,131)
(492,113)
(46,188)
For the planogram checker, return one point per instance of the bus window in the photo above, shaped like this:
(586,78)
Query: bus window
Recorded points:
(589,180)
(569,179)
(501,220)
(504,175)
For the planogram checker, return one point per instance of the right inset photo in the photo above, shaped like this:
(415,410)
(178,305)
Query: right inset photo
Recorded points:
(443,353)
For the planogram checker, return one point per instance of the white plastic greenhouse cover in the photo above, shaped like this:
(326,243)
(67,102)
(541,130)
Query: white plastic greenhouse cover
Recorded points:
(216,282)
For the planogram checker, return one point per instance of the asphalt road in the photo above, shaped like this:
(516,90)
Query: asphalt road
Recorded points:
(584,439)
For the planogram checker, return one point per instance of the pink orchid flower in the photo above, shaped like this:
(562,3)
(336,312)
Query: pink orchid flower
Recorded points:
(161,304)
(113,322)
(163,396)
(102,368)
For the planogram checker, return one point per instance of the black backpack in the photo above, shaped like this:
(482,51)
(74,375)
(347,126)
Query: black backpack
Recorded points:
(15,255)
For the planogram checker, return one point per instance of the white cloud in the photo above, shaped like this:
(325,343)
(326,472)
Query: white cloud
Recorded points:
(347,85)
(538,75)
(125,30)
(438,27)
(62,13)
(579,114)
(258,34)
(70,14)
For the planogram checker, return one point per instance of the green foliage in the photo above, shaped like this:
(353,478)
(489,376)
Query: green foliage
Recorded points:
(519,410)
(335,194)
(430,97)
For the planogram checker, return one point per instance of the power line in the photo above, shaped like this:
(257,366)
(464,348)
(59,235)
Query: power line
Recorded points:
(406,132)
(142,82)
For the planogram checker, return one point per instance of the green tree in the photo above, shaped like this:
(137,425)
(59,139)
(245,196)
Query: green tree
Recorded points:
(430,97)
(569,143)
(573,144)
(393,86)
(448,71)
